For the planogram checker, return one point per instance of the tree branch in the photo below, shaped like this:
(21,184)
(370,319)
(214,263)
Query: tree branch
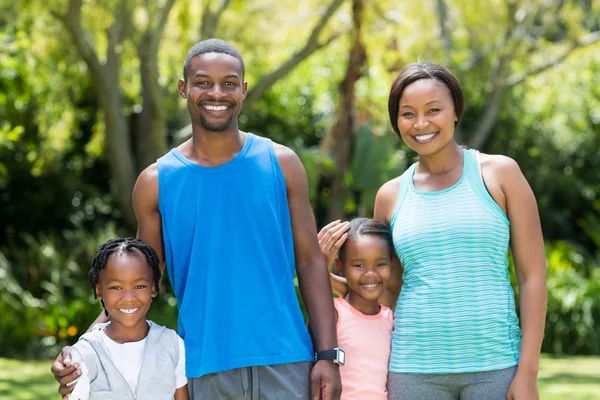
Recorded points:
(266,82)
(442,9)
(116,35)
(210,20)
(164,17)
(310,47)
(515,79)
(82,39)
(106,85)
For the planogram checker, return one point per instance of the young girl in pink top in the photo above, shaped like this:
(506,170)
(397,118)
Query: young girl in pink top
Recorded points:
(364,327)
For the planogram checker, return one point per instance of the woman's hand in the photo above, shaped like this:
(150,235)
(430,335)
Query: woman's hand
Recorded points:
(523,387)
(331,237)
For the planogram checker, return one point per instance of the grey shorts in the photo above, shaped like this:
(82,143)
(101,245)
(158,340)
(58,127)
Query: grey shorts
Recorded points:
(489,385)
(272,382)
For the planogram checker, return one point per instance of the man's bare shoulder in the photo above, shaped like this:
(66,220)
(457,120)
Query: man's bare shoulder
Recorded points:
(149,176)
(145,190)
(288,159)
(284,153)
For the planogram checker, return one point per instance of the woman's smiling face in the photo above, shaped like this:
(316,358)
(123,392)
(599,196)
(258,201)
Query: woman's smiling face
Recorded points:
(426,116)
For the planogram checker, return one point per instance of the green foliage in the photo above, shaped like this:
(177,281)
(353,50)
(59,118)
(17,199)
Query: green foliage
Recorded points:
(573,301)
(47,301)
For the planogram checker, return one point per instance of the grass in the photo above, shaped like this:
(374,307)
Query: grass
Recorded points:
(572,378)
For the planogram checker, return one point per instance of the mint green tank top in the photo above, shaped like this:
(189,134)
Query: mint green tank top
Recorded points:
(456,311)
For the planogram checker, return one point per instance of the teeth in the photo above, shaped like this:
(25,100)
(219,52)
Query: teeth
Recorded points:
(216,108)
(424,138)
(128,311)
(370,285)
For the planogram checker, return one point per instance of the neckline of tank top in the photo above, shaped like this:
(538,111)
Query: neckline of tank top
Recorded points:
(217,168)
(442,191)
(356,312)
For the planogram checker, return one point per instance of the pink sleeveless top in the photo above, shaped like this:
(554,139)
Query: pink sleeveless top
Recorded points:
(366,339)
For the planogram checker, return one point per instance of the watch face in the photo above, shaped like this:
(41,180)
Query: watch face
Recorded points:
(341,357)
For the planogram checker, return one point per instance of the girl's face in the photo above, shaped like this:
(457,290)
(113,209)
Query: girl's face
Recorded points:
(126,286)
(426,116)
(367,266)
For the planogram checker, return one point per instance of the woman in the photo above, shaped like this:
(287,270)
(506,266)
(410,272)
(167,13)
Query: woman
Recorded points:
(453,214)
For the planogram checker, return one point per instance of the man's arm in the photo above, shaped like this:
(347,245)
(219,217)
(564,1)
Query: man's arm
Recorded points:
(313,276)
(145,206)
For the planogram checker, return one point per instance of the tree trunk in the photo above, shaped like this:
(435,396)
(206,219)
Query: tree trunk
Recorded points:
(150,135)
(105,78)
(338,142)
(210,20)
(442,11)
(486,122)
(118,152)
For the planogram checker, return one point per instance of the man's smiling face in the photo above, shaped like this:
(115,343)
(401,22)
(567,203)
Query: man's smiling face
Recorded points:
(214,89)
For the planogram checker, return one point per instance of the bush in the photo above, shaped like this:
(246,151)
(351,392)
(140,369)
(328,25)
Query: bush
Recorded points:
(46,300)
(573,319)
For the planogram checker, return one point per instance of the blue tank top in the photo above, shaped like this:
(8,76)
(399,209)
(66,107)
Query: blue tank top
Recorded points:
(456,310)
(229,251)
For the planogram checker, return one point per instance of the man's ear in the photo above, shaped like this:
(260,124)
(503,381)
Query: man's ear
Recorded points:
(182,86)
(245,88)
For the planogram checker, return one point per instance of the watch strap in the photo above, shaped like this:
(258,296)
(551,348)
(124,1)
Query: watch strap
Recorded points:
(326,355)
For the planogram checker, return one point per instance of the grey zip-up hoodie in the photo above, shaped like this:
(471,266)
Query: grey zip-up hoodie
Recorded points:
(157,376)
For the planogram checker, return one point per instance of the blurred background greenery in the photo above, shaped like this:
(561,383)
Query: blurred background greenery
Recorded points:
(88,98)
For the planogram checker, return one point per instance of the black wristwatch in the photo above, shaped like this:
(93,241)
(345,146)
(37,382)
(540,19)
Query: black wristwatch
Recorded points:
(336,355)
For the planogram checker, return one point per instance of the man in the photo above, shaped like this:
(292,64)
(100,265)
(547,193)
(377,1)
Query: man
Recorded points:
(229,213)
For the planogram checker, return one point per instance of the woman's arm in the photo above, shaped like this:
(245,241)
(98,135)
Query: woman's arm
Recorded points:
(527,246)
(331,237)
(385,201)
(339,286)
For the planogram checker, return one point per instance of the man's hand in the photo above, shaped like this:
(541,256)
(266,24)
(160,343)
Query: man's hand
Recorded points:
(523,387)
(325,381)
(331,237)
(65,372)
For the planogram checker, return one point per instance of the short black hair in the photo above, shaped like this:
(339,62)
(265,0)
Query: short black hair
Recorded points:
(211,46)
(123,246)
(368,227)
(424,70)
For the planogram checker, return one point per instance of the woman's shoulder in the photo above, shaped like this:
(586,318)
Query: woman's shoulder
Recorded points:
(386,199)
(499,168)
(498,162)
(391,187)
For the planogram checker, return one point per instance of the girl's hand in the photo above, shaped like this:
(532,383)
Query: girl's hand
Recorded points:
(523,387)
(331,238)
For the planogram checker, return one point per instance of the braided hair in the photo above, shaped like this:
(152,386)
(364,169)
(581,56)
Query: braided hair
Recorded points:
(368,227)
(123,246)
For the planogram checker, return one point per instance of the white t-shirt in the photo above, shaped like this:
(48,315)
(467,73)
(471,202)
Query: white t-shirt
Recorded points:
(127,358)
